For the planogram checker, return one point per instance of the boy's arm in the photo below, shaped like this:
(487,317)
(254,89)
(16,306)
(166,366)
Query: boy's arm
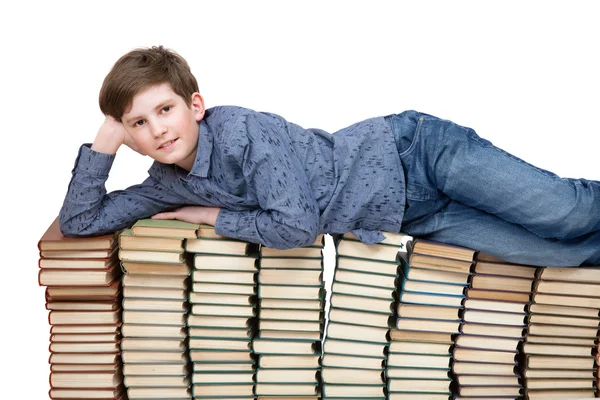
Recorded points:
(88,209)
(289,214)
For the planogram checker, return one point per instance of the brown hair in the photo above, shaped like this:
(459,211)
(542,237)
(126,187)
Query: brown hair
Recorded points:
(139,69)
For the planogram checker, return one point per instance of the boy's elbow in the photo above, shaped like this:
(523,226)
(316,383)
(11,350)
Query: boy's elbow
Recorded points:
(69,229)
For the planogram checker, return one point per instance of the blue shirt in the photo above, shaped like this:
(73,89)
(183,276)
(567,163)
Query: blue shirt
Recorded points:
(278,184)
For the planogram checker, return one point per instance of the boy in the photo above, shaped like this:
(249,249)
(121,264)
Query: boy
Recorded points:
(259,178)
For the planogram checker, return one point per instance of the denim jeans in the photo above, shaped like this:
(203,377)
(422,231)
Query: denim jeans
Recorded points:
(464,191)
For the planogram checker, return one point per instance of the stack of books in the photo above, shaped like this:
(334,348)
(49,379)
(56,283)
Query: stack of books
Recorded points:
(154,344)
(431,294)
(561,335)
(222,320)
(495,315)
(290,327)
(82,280)
(359,319)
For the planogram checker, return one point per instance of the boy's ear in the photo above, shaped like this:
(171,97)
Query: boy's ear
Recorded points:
(197,106)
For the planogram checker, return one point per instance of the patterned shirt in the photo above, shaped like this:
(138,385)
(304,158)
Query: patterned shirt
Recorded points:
(277,183)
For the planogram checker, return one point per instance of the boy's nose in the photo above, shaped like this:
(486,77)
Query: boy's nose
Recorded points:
(158,129)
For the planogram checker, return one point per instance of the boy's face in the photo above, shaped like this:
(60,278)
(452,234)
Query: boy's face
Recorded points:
(163,126)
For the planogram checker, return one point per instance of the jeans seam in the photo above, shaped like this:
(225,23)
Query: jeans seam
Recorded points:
(416,137)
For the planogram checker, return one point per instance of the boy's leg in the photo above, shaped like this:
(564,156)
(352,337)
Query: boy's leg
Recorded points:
(471,170)
(460,225)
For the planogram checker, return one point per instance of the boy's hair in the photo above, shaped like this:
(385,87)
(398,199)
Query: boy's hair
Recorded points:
(139,69)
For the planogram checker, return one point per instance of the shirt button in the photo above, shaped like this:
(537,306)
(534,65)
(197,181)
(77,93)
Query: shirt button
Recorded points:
(326,226)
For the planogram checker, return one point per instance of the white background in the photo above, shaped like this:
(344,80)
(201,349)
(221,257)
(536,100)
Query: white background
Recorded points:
(522,74)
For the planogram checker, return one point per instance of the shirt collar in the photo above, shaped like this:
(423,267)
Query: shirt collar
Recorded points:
(204,151)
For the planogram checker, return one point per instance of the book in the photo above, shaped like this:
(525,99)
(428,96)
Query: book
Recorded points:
(566,363)
(505,269)
(298,252)
(352,376)
(439,263)
(364,291)
(369,279)
(354,249)
(84,277)
(280,375)
(150,268)
(141,292)
(361,303)
(219,246)
(492,305)
(351,316)
(272,346)
(128,241)
(497,295)
(82,305)
(571,301)
(348,347)
(224,262)
(290,277)
(360,333)
(53,239)
(391,238)
(223,288)
(494,318)
(290,292)
(60,317)
(538,308)
(430,299)
(77,254)
(426,325)
(420,347)
(509,284)
(349,361)
(151,256)
(76,263)
(164,228)
(557,350)
(482,368)
(213,276)
(563,331)
(488,342)
(427,247)
(409,360)
(420,336)
(155,281)
(493,330)
(364,266)
(567,288)
(431,275)
(484,356)
(579,274)
(420,385)
(86,293)
(429,312)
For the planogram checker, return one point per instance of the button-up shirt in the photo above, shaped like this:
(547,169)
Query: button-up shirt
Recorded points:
(277,183)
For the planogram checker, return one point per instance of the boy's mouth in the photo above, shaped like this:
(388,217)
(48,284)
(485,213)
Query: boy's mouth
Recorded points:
(167,145)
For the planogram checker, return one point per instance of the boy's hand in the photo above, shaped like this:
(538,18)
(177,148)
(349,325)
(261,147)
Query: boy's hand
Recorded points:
(111,135)
(192,214)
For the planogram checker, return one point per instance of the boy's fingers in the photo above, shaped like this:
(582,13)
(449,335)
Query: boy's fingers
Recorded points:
(164,215)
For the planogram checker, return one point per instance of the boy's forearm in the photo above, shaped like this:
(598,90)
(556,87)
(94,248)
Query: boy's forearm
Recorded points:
(110,136)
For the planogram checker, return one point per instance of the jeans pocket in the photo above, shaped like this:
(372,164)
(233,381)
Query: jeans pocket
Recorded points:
(418,192)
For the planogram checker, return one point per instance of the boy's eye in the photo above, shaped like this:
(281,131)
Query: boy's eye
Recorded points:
(139,123)
(166,108)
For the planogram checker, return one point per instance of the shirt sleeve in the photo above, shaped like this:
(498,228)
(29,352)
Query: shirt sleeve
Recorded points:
(88,210)
(289,214)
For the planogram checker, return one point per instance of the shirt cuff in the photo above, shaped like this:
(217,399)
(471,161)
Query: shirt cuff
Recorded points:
(226,224)
(93,162)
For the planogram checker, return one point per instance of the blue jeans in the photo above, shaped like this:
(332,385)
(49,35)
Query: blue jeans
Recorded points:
(464,191)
